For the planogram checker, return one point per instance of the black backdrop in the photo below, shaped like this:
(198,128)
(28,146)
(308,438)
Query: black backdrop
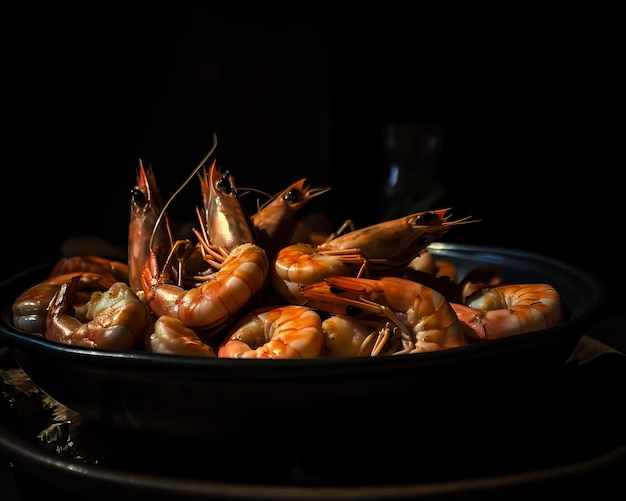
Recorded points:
(527,101)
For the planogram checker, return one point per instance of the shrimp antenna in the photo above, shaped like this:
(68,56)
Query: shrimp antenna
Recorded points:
(180,188)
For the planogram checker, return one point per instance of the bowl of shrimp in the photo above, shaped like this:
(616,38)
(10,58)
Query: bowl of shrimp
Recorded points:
(350,339)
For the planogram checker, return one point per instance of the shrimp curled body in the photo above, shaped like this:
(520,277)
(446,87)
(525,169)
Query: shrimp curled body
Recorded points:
(118,318)
(506,310)
(240,276)
(30,308)
(423,317)
(290,331)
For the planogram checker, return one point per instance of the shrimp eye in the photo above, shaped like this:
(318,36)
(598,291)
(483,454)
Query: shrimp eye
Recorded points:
(292,196)
(138,197)
(423,240)
(428,218)
(224,185)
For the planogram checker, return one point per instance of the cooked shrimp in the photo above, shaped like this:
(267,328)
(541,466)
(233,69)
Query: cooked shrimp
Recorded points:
(302,264)
(118,319)
(226,223)
(290,331)
(92,264)
(241,274)
(506,310)
(385,248)
(145,229)
(223,221)
(346,336)
(171,336)
(276,221)
(424,319)
(30,308)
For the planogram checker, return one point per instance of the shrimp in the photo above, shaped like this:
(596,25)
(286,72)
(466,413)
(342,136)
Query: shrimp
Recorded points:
(346,336)
(241,273)
(276,222)
(30,308)
(383,248)
(290,331)
(506,310)
(224,222)
(92,264)
(118,319)
(422,316)
(144,228)
(169,335)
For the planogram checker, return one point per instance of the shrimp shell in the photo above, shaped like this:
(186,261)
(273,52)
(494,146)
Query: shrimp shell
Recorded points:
(172,337)
(425,319)
(506,310)
(290,331)
(385,248)
(145,208)
(276,221)
(225,222)
(242,274)
(30,308)
(346,336)
(118,318)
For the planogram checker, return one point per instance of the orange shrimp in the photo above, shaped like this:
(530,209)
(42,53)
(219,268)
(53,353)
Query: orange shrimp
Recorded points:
(169,335)
(346,336)
(241,273)
(422,316)
(117,318)
(506,310)
(224,223)
(30,308)
(276,221)
(290,331)
(384,248)
(145,230)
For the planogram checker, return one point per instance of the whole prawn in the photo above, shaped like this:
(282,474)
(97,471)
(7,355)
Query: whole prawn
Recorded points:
(383,248)
(241,274)
(30,308)
(506,310)
(276,220)
(422,317)
(224,223)
(290,331)
(117,318)
(145,230)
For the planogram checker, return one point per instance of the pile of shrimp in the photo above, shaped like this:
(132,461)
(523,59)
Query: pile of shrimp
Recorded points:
(262,286)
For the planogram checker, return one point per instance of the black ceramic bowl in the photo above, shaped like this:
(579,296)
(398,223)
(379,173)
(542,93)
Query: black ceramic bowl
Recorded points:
(451,395)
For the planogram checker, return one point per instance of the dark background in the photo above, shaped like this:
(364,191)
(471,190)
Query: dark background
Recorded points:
(527,102)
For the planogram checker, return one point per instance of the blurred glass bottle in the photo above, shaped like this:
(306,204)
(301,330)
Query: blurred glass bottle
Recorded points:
(412,154)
